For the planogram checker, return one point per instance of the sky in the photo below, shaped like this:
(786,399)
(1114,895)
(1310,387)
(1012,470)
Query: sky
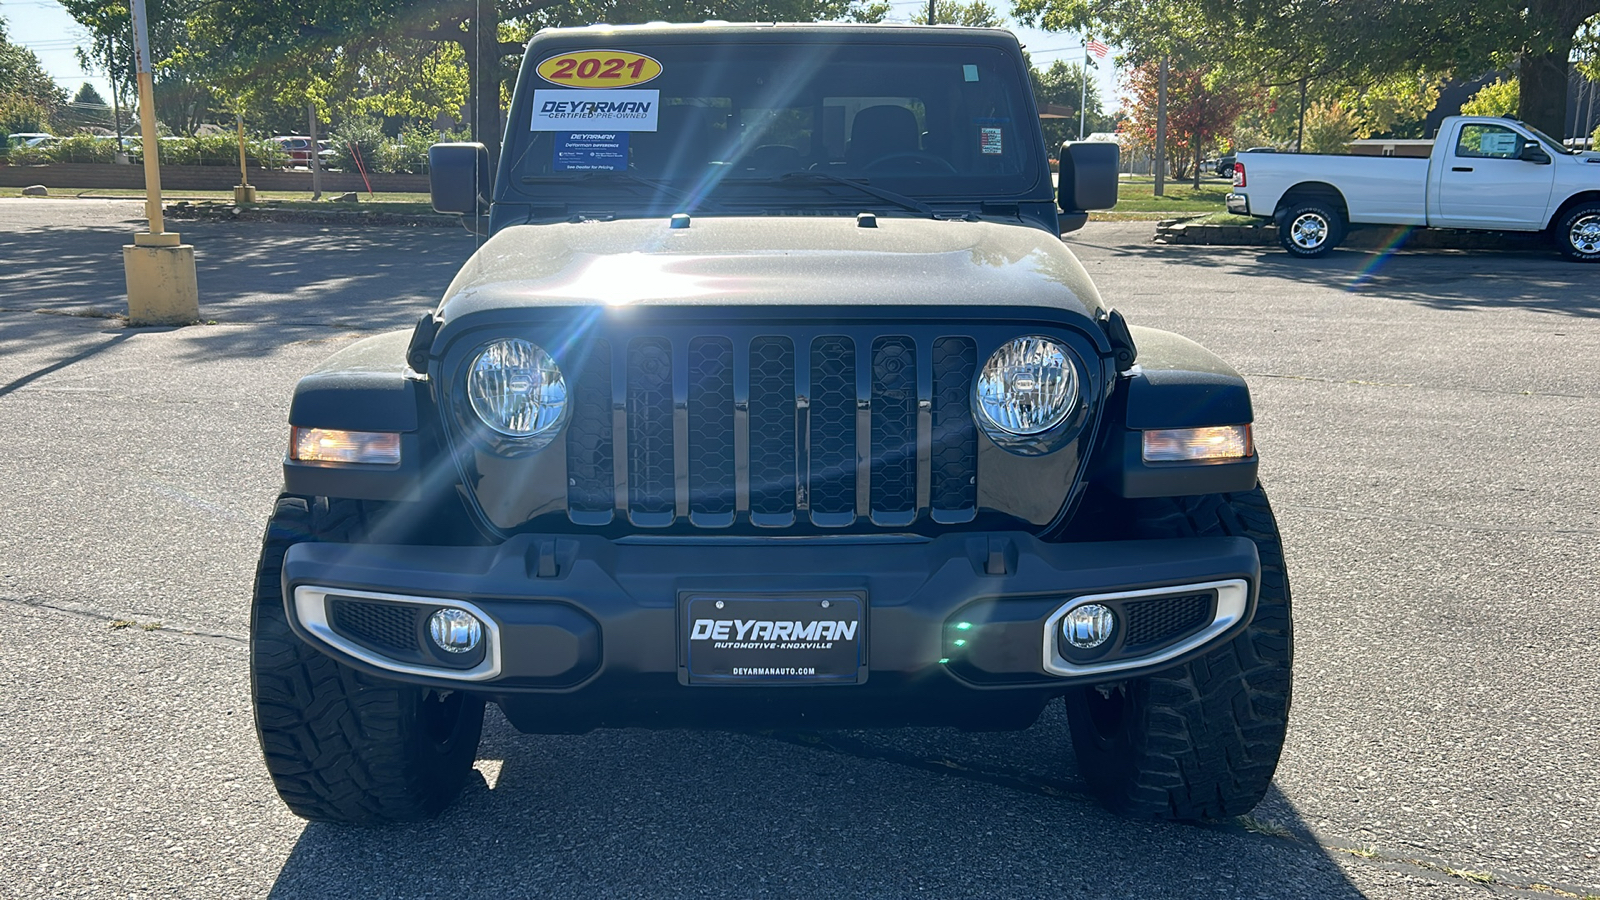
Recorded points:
(44,27)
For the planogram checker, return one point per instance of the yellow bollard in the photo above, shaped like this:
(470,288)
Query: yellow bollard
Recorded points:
(162,289)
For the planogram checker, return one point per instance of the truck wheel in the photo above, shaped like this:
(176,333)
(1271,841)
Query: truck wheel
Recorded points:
(1311,229)
(341,745)
(1200,741)
(1579,233)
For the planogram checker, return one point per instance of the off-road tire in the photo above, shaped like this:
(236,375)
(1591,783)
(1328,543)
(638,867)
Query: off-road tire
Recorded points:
(1200,741)
(1310,229)
(1577,233)
(341,745)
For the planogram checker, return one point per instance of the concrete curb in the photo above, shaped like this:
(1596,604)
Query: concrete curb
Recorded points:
(353,216)
(1179,231)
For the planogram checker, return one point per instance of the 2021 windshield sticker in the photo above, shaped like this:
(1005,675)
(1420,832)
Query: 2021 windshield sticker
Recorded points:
(595,110)
(591,69)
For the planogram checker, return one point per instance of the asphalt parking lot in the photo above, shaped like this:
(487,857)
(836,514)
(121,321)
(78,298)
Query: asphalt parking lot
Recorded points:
(1428,425)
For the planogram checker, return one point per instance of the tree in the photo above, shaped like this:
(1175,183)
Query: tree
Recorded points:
(1497,99)
(22,75)
(1349,45)
(1062,84)
(1201,109)
(976,14)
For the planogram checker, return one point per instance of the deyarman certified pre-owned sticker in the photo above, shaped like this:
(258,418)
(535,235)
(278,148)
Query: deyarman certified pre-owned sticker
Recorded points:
(599,69)
(595,110)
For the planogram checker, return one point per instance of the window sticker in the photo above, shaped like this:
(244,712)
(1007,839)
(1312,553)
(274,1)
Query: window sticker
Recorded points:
(595,110)
(591,69)
(1498,143)
(990,141)
(591,151)
(969,73)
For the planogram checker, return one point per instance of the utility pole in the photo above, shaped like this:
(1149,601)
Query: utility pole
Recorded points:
(158,266)
(1161,131)
(931,16)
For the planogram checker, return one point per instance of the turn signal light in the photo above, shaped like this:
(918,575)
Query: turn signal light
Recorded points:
(1238,175)
(379,448)
(1219,442)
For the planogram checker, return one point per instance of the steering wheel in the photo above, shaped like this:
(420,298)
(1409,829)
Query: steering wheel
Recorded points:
(911,160)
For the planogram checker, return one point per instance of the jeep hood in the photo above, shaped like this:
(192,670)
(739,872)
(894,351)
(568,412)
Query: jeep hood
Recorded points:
(755,261)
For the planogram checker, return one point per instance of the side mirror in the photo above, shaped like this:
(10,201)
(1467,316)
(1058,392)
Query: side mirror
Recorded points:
(1088,180)
(1535,154)
(459,179)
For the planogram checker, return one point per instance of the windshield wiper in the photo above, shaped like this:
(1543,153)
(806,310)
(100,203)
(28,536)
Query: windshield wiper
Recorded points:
(617,176)
(811,177)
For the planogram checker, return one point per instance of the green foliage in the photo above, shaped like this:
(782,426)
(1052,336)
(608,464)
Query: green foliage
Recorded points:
(221,150)
(410,153)
(19,112)
(1062,84)
(26,156)
(81,148)
(975,14)
(359,144)
(1497,99)
(1330,127)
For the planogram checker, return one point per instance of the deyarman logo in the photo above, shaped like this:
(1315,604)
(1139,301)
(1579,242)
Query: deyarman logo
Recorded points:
(592,109)
(766,630)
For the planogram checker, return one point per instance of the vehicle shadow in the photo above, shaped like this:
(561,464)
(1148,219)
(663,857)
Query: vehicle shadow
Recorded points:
(1523,275)
(895,813)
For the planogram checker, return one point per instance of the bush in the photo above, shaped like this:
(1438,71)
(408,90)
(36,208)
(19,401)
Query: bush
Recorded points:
(359,144)
(410,153)
(26,156)
(222,150)
(81,148)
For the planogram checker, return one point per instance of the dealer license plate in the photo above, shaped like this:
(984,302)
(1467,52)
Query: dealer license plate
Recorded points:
(789,639)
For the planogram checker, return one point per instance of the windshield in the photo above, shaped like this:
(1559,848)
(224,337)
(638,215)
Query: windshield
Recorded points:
(731,122)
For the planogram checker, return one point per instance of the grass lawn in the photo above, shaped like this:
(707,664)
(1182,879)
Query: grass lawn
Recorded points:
(1137,194)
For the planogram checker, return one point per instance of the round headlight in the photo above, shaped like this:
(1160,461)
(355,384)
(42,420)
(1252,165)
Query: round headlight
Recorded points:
(516,389)
(1028,386)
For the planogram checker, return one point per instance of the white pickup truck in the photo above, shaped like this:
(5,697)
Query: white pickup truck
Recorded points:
(1486,174)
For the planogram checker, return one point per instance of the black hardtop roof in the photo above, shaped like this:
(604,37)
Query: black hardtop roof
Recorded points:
(599,35)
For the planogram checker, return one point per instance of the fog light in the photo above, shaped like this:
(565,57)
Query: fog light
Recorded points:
(455,630)
(1088,626)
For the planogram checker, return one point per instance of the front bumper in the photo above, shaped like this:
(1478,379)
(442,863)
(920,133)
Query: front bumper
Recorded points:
(595,626)
(1238,204)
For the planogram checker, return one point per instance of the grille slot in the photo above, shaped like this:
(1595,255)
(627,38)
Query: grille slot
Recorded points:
(711,472)
(832,436)
(772,443)
(390,627)
(828,429)
(953,482)
(1165,619)
(591,485)
(894,425)
(651,491)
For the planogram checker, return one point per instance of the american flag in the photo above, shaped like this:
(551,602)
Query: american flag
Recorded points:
(1098,49)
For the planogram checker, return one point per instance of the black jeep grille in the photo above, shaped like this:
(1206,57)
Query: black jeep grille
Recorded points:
(824,429)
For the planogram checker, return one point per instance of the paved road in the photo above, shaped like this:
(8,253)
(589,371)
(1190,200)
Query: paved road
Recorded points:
(1428,425)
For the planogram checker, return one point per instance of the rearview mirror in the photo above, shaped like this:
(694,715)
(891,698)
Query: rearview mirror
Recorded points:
(459,179)
(1088,180)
